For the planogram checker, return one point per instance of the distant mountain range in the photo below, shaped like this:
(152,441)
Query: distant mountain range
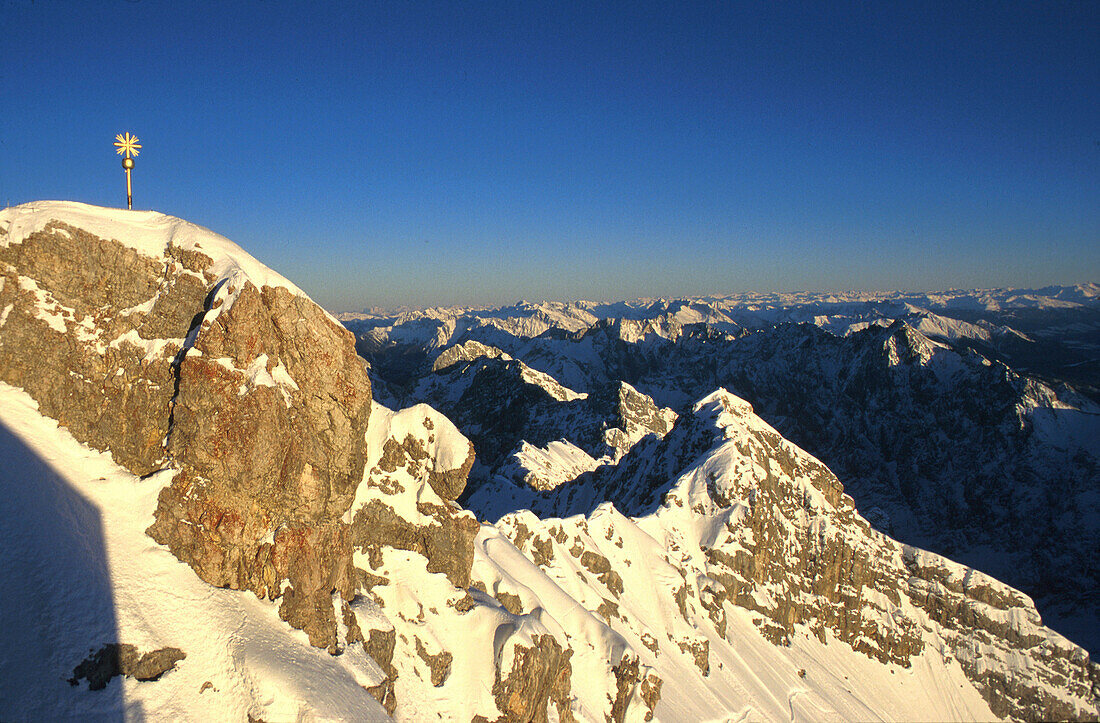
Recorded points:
(962,421)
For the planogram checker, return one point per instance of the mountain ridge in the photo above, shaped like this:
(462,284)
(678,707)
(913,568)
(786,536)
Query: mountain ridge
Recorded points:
(311,552)
(896,406)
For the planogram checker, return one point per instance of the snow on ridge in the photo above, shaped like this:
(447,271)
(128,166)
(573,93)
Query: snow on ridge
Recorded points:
(441,440)
(551,466)
(546,382)
(148,232)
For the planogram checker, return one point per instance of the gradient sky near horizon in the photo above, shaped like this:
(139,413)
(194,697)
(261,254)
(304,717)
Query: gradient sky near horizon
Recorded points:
(410,153)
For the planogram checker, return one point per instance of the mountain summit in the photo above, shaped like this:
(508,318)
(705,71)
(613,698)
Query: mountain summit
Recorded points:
(209,515)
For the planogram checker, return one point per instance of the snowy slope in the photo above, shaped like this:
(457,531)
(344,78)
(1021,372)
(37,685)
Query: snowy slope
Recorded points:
(661,580)
(78,571)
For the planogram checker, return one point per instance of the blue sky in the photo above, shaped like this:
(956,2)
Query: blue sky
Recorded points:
(440,153)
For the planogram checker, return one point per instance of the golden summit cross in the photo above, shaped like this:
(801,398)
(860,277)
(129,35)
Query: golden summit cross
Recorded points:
(128,145)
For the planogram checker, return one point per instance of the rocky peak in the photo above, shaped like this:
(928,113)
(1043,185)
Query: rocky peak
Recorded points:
(465,352)
(628,417)
(172,348)
(758,530)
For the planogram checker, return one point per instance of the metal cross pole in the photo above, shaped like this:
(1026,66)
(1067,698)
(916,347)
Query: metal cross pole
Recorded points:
(128,145)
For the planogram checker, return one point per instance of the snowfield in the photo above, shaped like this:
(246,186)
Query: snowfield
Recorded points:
(78,571)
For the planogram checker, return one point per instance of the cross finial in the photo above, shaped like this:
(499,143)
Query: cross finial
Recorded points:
(128,146)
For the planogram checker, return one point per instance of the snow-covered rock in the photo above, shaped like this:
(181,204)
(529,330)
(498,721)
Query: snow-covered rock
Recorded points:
(949,416)
(632,563)
(172,348)
(723,538)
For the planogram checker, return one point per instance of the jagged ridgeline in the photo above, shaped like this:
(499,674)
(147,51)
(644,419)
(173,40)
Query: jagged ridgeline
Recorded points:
(964,422)
(654,563)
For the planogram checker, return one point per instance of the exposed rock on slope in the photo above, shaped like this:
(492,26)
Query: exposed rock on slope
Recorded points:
(446,639)
(730,522)
(172,348)
(169,347)
(115,659)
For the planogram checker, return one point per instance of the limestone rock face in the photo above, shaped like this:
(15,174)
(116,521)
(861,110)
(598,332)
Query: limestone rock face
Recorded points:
(297,442)
(268,429)
(91,329)
(172,348)
(540,677)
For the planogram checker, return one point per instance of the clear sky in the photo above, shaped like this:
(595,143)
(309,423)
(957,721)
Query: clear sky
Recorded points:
(388,153)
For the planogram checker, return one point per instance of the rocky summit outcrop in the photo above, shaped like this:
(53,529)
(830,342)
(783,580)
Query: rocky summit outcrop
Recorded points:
(194,365)
(270,445)
(172,348)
